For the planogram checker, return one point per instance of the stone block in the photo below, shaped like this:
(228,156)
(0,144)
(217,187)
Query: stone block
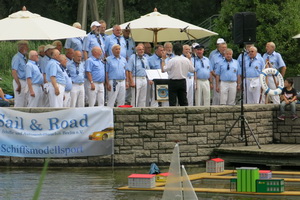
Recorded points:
(99,160)
(131,129)
(224,116)
(188,148)
(118,126)
(78,161)
(196,117)
(204,128)
(197,109)
(135,141)
(176,137)
(180,121)
(166,145)
(205,151)
(285,129)
(219,127)
(224,109)
(163,110)
(265,114)
(211,120)
(165,158)
(197,140)
(156,125)
(129,111)
(146,160)
(35,161)
(165,118)
(150,145)
(142,153)
(127,118)
(118,142)
(187,129)
(213,136)
(124,159)
(149,118)
(147,133)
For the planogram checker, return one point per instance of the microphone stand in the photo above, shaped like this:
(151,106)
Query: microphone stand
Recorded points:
(135,88)
(241,118)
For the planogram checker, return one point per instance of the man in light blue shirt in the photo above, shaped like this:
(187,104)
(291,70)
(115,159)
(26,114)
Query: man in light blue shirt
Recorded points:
(168,47)
(115,38)
(130,44)
(148,49)
(115,77)
(75,43)
(203,77)
(136,67)
(95,73)
(227,77)
(93,39)
(67,94)
(19,75)
(56,79)
(217,58)
(253,66)
(35,81)
(273,59)
(216,51)
(76,69)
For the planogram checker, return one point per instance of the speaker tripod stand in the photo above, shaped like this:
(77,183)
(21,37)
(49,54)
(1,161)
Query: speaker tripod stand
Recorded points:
(241,118)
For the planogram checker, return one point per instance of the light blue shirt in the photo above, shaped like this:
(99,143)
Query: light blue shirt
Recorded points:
(275,59)
(68,87)
(75,43)
(91,41)
(44,63)
(215,60)
(202,71)
(228,71)
(112,40)
(115,67)
(136,67)
(253,67)
(154,62)
(130,48)
(96,68)
(33,72)
(213,53)
(104,36)
(18,63)
(76,71)
(246,56)
(55,69)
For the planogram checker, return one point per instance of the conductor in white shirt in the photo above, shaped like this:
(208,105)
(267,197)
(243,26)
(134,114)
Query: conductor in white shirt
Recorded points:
(178,68)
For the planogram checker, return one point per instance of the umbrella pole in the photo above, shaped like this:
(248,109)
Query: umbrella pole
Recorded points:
(155,37)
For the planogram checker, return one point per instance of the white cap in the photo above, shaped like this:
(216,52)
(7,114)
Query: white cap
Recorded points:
(194,45)
(220,41)
(95,23)
(49,46)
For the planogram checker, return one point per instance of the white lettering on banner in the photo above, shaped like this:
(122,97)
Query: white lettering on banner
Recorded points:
(65,133)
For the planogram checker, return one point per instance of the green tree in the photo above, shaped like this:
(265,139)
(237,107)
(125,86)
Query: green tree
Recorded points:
(277,21)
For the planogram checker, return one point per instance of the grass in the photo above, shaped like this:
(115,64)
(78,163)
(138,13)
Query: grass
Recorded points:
(42,177)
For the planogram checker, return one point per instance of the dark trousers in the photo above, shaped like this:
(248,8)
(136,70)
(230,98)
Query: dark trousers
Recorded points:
(4,103)
(177,90)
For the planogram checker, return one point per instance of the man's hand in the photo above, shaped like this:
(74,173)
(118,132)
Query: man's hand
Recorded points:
(108,87)
(93,86)
(32,93)
(56,91)
(18,89)
(151,82)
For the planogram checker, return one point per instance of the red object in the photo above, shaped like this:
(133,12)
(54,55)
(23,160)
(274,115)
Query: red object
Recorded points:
(141,176)
(125,106)
(218,160)
(264,171)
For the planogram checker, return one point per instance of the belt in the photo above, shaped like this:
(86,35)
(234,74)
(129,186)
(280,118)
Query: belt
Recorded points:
(252,78)
(118,80)
(140,77)
(98,82)
(229,81)
(77,83)
(200,79)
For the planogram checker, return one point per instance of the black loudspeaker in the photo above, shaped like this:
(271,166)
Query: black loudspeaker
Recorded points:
(244,28)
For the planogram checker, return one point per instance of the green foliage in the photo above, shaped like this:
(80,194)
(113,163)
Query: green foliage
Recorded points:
(278,21)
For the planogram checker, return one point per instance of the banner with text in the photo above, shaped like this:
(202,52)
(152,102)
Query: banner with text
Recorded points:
(65,133)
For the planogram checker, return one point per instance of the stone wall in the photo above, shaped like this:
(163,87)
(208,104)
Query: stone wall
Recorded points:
(146,135)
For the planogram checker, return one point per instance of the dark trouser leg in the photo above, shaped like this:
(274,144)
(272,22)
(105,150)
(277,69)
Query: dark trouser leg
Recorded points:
(172,87)
(181,92)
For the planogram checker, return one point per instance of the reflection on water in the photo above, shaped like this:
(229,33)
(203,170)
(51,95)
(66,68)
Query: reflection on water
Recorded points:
(92,183)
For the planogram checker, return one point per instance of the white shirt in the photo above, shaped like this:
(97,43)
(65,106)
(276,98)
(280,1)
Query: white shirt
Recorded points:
(178,67)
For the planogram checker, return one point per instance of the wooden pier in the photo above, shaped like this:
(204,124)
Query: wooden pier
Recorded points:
(273,155)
